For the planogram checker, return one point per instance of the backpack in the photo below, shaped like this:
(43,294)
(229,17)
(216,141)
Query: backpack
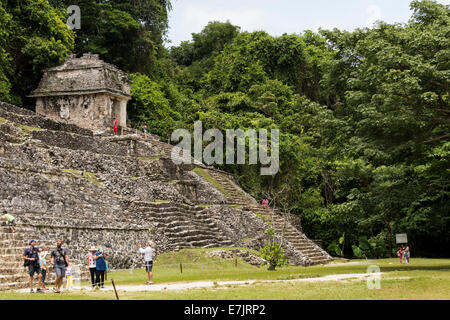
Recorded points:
(26,263)
(60,256)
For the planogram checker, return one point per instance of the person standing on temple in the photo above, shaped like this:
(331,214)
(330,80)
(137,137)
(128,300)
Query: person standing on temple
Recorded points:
(116,127)
(10,219)
(145,130)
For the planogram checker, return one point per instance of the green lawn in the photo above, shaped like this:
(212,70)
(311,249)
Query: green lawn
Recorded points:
(422,279)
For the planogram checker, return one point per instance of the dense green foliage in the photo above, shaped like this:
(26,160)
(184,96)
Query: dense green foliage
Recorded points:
(363,115)
(127,33)
(33,37)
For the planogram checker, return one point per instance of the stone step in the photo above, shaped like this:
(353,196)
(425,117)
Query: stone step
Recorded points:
(181,230)
(180,213)
(179,223)
(200,244)
(14,278)
(13,243)
(12,250)
(52,220)
(10,258)
(191,236)
(14,264)
(9,235)
(170,223)
(13,285)
(9,271)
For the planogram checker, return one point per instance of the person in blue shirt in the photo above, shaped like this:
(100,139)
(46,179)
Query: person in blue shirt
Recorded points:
(100,268)
(60,261)
(31,258)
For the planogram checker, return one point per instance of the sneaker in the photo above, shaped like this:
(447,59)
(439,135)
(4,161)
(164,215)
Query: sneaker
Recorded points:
(39,291)
(31,291)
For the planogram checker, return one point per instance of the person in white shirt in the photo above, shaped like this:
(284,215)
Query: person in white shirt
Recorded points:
(44,267)
(92,265)
(148,257)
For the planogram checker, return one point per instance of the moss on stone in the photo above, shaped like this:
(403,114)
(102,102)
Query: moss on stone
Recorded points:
(72,171)
(27,129)
(162,201)
(205,175)
(93,178)
(88,175)
(264,218)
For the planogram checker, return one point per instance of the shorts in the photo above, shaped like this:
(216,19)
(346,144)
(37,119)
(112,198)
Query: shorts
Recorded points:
(32,269)
(60,271)
(12,223)
(148,266)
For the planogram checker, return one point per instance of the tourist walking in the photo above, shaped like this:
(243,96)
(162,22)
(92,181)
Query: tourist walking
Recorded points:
(92,265)
(31,260)
(60,261)
(100,268)
(10,219)
(148,258)
(44,266)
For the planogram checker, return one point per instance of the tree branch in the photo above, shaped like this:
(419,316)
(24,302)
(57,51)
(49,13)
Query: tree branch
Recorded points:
(446,137)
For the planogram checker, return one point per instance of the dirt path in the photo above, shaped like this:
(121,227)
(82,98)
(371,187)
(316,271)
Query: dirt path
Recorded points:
(210,284)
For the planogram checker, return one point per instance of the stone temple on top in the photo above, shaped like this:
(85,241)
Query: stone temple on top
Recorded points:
(84,91)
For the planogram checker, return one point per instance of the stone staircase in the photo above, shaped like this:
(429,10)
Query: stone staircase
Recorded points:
(234,194)
(281,226)
(42,166)
(13,275)
(300,242)
(184,226)
(12,272)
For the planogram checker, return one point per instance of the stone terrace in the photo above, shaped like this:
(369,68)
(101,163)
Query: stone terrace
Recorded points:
(62,181)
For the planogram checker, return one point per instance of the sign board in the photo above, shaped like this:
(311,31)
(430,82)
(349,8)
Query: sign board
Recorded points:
(401,238)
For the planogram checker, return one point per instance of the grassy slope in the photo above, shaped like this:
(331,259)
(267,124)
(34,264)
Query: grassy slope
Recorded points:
(422,279)
(205,175)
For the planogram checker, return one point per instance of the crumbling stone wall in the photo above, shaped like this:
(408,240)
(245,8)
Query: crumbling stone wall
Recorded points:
(84,91)
(61,181)
(91,111)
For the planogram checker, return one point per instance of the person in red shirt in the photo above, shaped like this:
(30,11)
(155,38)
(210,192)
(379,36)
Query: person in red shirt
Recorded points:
(116,127)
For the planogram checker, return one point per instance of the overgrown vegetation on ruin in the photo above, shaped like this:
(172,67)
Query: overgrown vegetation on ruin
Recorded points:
(363,115)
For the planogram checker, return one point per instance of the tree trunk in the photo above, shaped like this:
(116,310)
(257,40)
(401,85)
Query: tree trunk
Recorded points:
(389,237)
